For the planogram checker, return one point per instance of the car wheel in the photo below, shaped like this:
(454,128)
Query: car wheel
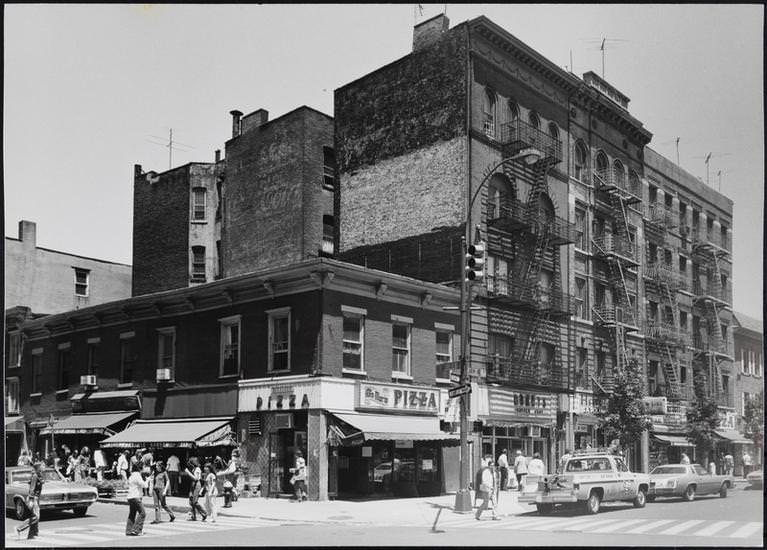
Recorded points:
(689,493)
(723,491)
(545,508)
(20,509)
(80,511)
(640,500)
(593,502)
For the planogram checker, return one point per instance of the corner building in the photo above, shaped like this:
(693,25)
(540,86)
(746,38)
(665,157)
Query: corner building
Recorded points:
(556,175)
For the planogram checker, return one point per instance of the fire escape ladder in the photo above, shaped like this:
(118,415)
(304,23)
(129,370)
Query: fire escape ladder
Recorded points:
(670,372)
(715,332)
(715,286)
(624,291)
(621,353)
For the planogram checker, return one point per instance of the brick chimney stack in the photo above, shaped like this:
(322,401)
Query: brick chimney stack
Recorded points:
(430,31)
(235,122)
(28,233)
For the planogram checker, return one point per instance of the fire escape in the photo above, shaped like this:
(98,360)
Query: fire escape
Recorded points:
(528,233)
(711,348)
(617,250)
(663,331)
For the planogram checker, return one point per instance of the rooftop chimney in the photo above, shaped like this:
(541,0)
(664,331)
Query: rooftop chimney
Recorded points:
(218,156)
(28,233)
(235,122)
(430,31)
(254,120)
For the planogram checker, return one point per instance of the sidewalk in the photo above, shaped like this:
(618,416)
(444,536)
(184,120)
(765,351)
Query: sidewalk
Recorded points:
(420,511)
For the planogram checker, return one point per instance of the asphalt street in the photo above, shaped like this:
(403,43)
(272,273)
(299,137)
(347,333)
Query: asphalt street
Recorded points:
(708,521)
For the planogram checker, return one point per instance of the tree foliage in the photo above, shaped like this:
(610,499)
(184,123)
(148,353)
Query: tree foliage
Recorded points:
(753,418)
(702,418)
(624,418)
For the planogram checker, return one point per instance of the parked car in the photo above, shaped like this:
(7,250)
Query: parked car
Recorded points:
(687,481)
(58,492)
(755,479)
(587,479)
(384,470)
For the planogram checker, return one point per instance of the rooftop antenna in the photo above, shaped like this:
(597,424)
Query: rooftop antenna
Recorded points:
(719,173)
(677,151)
(602,47)
(707,158)
(171,145)
(603,42)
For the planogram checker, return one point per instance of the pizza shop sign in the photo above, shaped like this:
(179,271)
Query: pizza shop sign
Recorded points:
(395,398)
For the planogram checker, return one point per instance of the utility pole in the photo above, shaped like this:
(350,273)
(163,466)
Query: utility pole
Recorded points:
(677,151)
(463,496)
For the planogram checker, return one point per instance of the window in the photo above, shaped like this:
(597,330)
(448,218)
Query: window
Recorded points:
(600,356)
(546,353)
(279,339)
(534,120)
(668,257)
(682,266)
(37,370)
(328,227)
(634,185)
(599,295)
(488,113)
(652,378)
(14,349)
(710,227)
(724,242)
(198,263)
(553,130)
(166,349)
(11,395)
(683,321)
(580,164)
(582,368)
(81,281)
(513,111)
(328,169)
(229,361)
(601,163)
(401,348)
(93,357)
(619,173)
(581,298)
(65,367)
(668,199)
(683,375)
(127,358)
(444,341)
(354,328)
(500,345)
(682,214)
(219,259)
(580,226)
(653,194)
(199,199)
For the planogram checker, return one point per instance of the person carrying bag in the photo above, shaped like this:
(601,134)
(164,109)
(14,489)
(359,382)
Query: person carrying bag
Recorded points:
(32,523)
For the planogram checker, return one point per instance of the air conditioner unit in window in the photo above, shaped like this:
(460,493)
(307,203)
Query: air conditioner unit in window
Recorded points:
(88,380)
(164,375)
(283,420)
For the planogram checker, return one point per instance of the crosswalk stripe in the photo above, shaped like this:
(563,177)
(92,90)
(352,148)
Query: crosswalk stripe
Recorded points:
(588,523)
(572,523)
(713,528)
(616,526)
(681,527)
(649,526)
(747,530)
(540,523)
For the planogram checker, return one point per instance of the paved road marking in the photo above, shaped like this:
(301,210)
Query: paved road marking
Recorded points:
(616,526)
(748,530)
(649,526)
(713,528)
(676,529)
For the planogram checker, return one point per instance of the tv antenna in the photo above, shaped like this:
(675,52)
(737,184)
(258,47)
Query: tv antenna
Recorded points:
(171,144)
(707,160)
(602,43)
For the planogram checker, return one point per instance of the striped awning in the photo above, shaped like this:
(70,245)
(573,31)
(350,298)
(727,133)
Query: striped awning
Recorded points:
(179,432)
(673,440)
(91,423)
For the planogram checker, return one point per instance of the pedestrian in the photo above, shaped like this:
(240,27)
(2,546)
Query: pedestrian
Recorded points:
(160,491)
(712,466)
(194,473)
(85,463)
(172,470)
(299,477)
(136,486)
(73,463)
(32,523)
(520,469)
(746,463)
(24,459)
(503,467)
(729,464)
(563,459)
(211,491)
(487,488)
(536,466)
(685,459)
(123,465)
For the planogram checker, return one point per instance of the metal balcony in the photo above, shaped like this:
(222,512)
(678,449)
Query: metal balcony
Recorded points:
(709,292)
(707,245)
(610,316)
(509,371)
(617,184)
(517,136)
(662,332)
(660,217)
(516,215)
(614,247)
(707,345)
(661,273)
(529,296)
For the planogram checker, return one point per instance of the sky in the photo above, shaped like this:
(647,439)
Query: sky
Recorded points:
(91,90)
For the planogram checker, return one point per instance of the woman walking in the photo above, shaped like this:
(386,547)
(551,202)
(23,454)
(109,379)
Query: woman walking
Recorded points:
(33,503)
(194,488)
(161,485)
(211,492)
(136,486)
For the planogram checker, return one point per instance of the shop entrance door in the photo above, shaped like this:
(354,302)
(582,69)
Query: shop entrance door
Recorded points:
(276,464)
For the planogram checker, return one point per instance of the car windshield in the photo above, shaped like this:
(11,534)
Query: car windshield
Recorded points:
(588,464)
(662,470)
(700,470)
(23,476)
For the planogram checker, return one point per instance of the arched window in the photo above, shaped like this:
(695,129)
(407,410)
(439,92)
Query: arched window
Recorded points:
(488,113)
(602,163)
(553,130)
(513,110)
(501,196)
(619,174)
(534,120)
(580,164)
(634,185)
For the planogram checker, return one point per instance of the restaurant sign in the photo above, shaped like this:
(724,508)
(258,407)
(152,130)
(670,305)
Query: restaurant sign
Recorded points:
(655,405)
(397,398)
(521,404)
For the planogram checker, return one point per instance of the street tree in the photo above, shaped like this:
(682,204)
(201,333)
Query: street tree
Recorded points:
(753,418)
(702,419)
(624,418)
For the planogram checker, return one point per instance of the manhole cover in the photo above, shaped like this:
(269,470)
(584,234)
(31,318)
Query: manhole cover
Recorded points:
(341,517)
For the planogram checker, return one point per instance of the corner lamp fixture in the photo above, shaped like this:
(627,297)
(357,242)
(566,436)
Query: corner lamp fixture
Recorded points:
(530,155)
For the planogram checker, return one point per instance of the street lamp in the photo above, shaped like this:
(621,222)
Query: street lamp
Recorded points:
(530,156)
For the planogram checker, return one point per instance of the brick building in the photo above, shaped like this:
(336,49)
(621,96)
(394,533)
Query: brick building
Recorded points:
(748,337)
(588,272)
(343,362)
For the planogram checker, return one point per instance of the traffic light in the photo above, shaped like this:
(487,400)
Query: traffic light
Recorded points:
(475,262)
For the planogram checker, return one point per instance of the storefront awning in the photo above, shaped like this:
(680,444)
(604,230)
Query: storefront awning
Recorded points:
(181,432)
(501,423)
(92,423)
(733,436)
(673,440)
(385,427)
(106,401)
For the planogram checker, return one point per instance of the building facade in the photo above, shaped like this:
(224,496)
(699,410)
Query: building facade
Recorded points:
(748,339)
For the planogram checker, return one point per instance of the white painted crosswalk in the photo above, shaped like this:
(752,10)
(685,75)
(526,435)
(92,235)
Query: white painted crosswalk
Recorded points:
(103,533)
(590,524)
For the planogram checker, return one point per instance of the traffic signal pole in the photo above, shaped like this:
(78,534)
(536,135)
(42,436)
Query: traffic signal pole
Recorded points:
(463,496)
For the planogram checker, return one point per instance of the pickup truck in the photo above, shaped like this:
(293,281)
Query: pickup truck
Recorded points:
(587,480)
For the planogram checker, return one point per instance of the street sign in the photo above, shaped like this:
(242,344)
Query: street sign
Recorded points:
(460,390)
(455,377)
(476,372)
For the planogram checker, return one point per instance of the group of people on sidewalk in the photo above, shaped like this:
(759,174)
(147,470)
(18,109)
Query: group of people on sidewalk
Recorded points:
(502,476)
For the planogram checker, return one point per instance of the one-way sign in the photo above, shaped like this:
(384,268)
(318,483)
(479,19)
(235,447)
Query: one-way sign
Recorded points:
(460,390)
